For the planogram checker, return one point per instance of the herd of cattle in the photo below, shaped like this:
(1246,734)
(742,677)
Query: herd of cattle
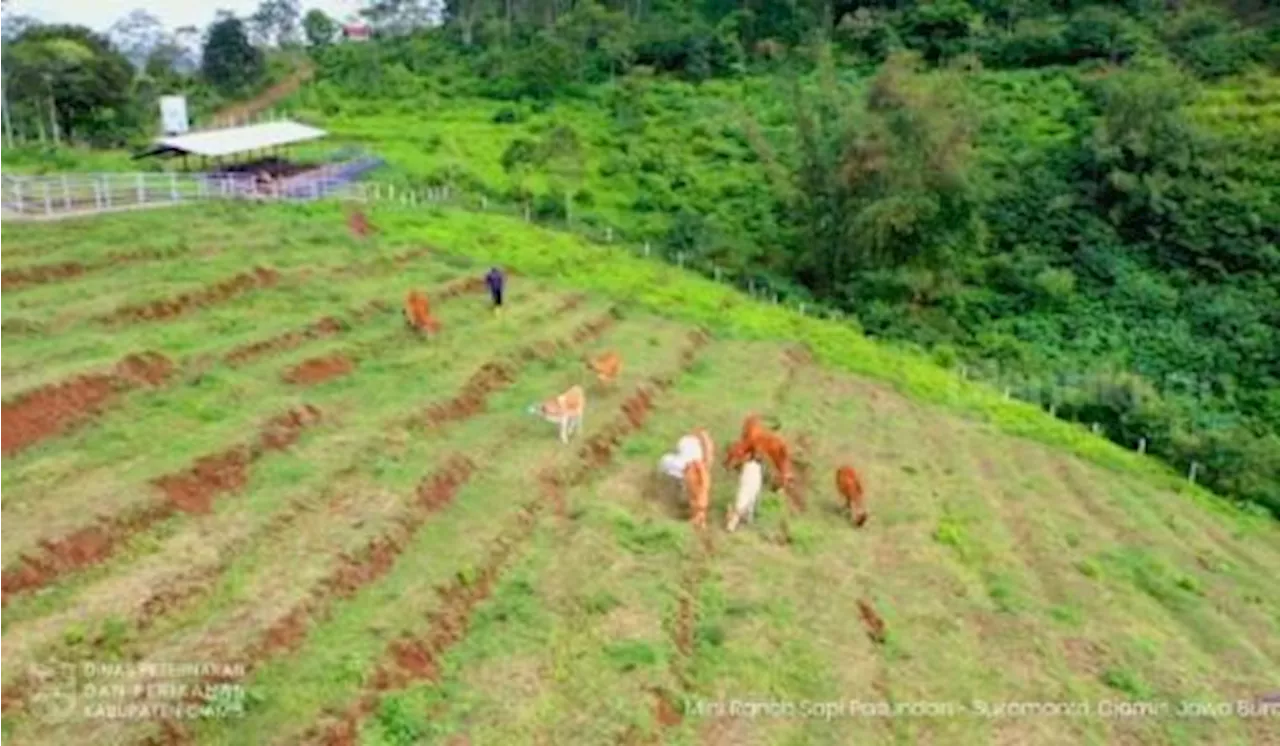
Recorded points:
(692,460)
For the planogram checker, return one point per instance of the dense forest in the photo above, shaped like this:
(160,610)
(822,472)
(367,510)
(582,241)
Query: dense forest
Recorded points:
(1078,201)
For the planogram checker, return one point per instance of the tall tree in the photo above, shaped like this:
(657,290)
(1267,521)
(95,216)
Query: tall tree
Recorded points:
(882,185)
(319,28)
(69,81)
(229,62)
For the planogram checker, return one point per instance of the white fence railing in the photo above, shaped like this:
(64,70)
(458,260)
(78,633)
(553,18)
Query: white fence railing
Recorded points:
(68,194)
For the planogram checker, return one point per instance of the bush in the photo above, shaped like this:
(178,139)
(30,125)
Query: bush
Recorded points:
(1207,40)
(508,115)
(1098,32)
(938,30)
(550,205)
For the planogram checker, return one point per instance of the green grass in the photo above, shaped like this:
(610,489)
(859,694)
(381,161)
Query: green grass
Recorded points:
(1011,556)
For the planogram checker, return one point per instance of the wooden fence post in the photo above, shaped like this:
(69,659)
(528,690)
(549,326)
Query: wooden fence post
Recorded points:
(1142,445)
(142,189)
(1191,473)
(17,195)
(66,194)
(97,194)
(173,186)
(48,206)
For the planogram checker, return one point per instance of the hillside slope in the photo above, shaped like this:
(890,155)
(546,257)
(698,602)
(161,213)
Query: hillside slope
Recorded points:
(363,535)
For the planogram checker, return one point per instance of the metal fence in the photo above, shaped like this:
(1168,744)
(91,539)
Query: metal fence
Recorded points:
(64,195)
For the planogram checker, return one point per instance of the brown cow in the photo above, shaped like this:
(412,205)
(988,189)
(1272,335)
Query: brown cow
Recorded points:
(850,488)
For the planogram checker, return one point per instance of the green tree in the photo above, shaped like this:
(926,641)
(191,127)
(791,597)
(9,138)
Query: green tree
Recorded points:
(70,83)
(230,63)
(883,185)
(319,28)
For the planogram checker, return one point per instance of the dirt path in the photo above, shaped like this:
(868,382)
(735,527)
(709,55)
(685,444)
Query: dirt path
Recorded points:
(244,111)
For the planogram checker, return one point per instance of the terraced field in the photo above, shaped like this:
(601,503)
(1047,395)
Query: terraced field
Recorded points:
(222,448)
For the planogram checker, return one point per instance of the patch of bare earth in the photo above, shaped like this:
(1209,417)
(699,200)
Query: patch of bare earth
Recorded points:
(220,292)
(189,491)
(59,407)
(318,370)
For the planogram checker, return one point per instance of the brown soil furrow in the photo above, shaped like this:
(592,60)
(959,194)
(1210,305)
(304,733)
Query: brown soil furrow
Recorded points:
(42,274)
(398,261)
(496,375)
(56,408)
(12,279)
(329,326)
(186,588)
(418,659)
(189,586)
(319,329)
(189,491)
(354,572)
(319,369)
(176,306)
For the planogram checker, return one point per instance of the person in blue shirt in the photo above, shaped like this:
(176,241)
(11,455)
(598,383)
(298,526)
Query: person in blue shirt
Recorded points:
(496,282)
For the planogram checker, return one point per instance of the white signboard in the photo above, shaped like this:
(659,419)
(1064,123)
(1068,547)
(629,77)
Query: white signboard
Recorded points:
(173,115)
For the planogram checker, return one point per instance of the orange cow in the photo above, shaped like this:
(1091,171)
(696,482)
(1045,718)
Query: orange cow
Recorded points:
(606,367)
(697,487)
(417,313)
(761,444)
(850,488)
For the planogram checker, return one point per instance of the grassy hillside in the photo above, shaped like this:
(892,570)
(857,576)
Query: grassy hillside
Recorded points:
(395,553)
(1103,244)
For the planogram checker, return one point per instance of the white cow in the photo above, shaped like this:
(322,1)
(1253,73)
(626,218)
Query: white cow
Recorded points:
(688,450)
(744,506)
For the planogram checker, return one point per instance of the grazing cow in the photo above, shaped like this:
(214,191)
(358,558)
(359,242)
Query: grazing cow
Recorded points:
(872,621)
(606,367)
(763,446)
(850,488)
(744,506)
(689,448)
(417,313)
(697,486)
(708,445)
(565,410)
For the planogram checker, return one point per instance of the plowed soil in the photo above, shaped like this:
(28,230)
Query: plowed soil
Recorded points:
(321,328)
(171,307)
(318,370)
(56,408)
(12,279)
(190,491)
